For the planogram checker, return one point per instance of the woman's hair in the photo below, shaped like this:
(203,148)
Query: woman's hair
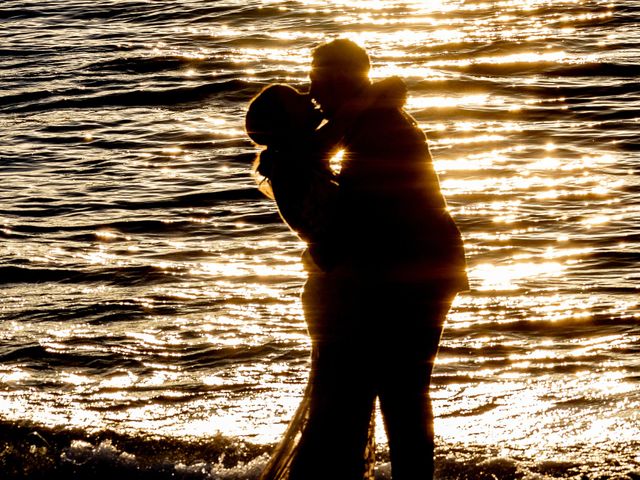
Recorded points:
(276,117)
(269,116)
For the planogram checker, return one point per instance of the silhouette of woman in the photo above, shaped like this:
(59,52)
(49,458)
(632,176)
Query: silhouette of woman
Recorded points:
(294,170)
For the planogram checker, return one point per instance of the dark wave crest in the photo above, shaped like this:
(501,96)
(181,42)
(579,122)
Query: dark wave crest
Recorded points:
(148,97)
(123,276)
(37,452)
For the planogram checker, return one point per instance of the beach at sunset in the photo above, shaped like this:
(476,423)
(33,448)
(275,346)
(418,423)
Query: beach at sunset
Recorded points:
(150,315)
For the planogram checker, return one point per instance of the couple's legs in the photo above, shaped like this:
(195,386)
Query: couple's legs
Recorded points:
(377,341)
(343,397)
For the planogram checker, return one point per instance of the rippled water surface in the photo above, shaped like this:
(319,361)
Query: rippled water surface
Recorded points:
(147,289)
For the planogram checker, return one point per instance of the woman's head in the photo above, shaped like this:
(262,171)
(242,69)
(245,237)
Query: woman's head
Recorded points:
(279,114)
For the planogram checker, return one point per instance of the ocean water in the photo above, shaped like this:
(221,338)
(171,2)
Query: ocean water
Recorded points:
(150,324)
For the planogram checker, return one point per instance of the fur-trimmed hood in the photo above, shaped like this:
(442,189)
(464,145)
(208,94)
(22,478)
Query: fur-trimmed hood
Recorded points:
(390,92)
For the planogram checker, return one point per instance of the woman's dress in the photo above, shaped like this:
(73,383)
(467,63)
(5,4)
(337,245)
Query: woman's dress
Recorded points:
(305,191)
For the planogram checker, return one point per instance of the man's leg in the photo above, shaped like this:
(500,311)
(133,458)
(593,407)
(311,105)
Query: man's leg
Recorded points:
(405,374)
(408,418)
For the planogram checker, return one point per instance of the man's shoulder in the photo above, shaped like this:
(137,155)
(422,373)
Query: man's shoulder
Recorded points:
(387,125)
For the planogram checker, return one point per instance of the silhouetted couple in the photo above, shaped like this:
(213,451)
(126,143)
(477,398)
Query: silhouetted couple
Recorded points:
(385,261)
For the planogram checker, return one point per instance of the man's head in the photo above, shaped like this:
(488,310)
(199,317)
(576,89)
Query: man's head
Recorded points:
(339,71)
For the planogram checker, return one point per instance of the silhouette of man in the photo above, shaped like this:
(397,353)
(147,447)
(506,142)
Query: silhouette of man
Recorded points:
(376,318)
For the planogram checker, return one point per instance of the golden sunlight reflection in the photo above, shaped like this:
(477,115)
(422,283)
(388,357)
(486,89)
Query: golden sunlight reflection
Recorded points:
(146,338)
(580,185)
(74,379)
(504,412)
(172,150)
(479,139)
(292,61)
(243,269)
(404,38)
(100,257)
(552,307)
(509,277)
(406,71)
(598,220)
(336,161)
(107,234)
(470,162)
(120,381)
(13,375)
(552,252)
(442,101)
